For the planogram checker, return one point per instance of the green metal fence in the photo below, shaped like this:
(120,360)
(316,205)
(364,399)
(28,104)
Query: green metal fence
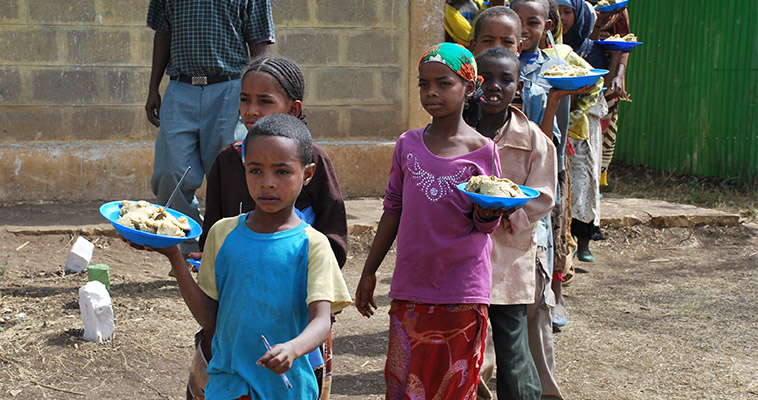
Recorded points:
(694,86)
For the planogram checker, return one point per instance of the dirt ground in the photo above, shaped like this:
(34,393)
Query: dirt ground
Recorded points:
(662,314)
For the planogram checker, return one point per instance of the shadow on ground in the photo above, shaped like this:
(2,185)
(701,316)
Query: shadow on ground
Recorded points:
(364,345)
(359,384)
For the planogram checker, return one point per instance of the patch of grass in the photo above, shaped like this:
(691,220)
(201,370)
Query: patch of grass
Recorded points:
(717,193)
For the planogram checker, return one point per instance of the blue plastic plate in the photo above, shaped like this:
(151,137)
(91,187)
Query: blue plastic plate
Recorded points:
(612,7)
(496,202)
(575,82)
(194,262)
(613,45)
(110,212)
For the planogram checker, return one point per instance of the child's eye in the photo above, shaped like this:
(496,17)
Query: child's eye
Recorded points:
(422,84)
(282,172)
(244,100)
(254,171)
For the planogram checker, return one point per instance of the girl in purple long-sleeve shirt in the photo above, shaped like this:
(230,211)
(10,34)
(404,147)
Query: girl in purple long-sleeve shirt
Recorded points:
(441,282)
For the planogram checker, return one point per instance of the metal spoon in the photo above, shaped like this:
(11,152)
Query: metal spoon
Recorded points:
(176,189)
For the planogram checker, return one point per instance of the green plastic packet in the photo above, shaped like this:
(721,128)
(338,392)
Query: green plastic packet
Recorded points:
(100,272)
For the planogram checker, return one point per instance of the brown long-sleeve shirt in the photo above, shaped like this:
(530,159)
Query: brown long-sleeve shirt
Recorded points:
(527,157)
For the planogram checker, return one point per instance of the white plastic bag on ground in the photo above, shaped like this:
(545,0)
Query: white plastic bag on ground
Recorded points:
(97,312)
(80,255)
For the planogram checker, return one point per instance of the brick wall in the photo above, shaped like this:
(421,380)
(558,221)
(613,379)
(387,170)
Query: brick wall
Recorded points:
(353,54)
(74,77)
(74,70)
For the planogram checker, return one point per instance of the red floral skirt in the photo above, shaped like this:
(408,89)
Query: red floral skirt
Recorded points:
(435,351)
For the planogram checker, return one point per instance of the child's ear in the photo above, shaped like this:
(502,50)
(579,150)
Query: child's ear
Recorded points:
(519,48)
(308,172)
(520,85)
(296,108)
(472,46)
(470,88)
(548,25)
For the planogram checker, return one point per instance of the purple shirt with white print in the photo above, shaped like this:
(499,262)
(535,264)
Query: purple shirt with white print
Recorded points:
(443,247)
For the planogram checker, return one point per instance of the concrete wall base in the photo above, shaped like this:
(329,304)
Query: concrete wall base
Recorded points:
(87,171)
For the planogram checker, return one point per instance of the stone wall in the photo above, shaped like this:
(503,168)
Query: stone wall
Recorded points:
(74,77)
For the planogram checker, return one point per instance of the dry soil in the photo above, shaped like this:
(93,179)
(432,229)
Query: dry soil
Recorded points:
(662,314)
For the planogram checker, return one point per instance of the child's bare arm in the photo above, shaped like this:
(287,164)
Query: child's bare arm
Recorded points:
(281,356)
(203,308)
(552,106)
(385,235)
(616,76)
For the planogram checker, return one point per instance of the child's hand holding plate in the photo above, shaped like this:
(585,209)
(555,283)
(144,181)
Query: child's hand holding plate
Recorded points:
(487,201)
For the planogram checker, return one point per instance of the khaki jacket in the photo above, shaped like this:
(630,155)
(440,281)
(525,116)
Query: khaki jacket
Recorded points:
(527,158)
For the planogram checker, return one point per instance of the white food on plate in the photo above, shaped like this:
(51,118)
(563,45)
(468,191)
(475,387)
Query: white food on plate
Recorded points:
(629,37)
(490,186)
(603,3)
(564,71)
(145,217)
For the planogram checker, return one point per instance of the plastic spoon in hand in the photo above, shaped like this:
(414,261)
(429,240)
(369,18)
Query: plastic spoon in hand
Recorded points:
(168,203)
(494,154)
(284,376)
(555,49)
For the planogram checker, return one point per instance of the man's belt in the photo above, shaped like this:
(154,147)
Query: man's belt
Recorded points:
(203,80)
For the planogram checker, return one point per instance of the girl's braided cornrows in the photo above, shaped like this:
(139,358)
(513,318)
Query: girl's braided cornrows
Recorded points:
(289,76)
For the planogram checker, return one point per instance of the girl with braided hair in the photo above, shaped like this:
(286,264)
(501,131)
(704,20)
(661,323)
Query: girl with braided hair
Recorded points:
(271,85)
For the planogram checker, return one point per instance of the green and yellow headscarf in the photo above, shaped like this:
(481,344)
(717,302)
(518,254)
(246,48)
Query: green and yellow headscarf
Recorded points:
(455,56)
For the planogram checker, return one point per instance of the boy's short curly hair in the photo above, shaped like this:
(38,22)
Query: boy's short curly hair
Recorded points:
(497,11)
(284,125)
(544,3)
(496,53)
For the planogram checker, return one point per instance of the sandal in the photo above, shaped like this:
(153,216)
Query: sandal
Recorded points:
(569,272)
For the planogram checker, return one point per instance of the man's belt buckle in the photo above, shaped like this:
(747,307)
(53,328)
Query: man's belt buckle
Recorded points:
(199,80)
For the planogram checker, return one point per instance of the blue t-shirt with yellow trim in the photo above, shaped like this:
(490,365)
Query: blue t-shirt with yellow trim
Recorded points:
(263,284)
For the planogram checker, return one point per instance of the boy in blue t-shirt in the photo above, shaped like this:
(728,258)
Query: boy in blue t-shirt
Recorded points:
(266,273)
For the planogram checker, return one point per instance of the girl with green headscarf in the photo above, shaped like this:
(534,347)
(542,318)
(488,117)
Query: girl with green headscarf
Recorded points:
(441,282)
(455,56)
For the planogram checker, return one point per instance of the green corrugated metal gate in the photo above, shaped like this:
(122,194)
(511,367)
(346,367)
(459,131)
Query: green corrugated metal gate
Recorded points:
(694,85)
